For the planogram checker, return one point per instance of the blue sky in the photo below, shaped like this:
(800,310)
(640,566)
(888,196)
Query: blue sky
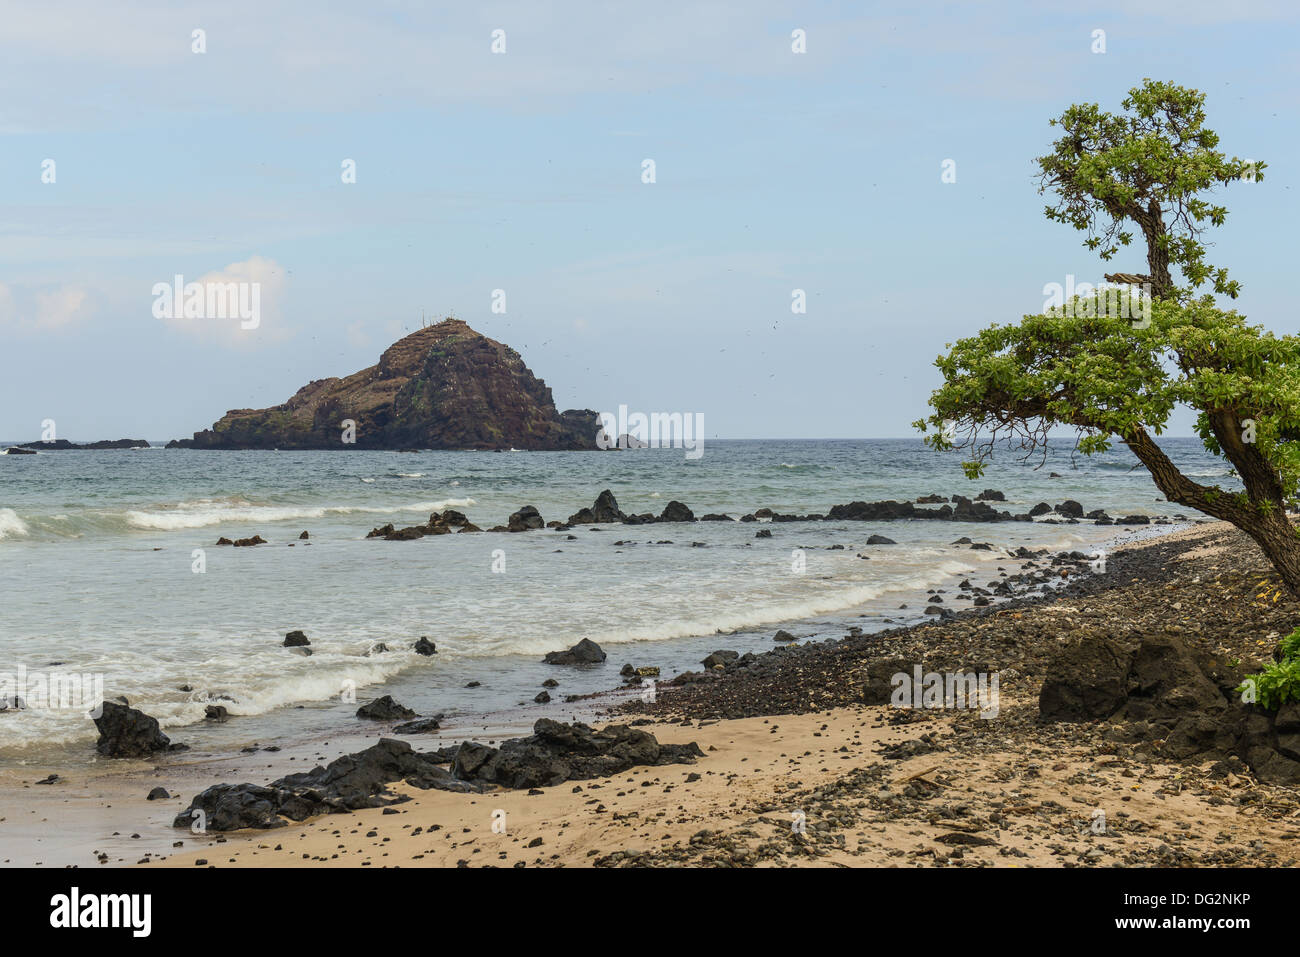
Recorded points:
(522,171)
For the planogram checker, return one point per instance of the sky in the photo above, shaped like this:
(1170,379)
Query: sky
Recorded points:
(522,171)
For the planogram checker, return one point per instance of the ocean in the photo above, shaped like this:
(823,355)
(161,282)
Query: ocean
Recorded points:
(100,570)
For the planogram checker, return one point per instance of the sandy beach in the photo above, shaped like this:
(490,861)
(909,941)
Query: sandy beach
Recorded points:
(797,770)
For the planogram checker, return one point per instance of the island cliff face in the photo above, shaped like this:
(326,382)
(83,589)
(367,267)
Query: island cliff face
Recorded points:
(443,387)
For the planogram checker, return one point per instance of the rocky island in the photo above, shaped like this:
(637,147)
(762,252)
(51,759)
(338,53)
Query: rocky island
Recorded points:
(63,445)
(445,386)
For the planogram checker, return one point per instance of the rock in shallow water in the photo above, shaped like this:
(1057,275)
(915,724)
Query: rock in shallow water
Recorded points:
(524,520)
(605,510)
(583,653)
(675,511)
(384,709)
(125,732)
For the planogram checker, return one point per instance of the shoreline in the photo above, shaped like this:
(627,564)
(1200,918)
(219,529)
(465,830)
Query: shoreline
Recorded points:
(874,785)
(501,675)
(125,787)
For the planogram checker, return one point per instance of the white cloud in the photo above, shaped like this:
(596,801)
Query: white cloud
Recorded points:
(240,305)
(34,309)
(60,307)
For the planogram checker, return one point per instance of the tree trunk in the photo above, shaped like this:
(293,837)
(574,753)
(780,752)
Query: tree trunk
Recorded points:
(1153,228)
(1270,529)
(1275,534)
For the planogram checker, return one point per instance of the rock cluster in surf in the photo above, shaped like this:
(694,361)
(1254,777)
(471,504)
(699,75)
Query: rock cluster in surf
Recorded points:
(605,511)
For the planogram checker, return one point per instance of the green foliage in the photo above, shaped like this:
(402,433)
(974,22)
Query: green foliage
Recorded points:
(1144,168)
(1280,681)
(1115,365)
(1106,376)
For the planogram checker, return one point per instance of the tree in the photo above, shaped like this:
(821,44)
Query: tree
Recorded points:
(1092,367)
(1145,168)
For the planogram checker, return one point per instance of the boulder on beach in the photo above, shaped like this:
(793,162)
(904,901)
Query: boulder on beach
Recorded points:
(1096,677)
(558,752)
(879,684)
(784,635)
(554,753)
(349,783)
(384,709)
(1175,700)
(720,659)
(1166,678)
(585,652)
(125,732)
(1069,509)
(419,726)
(295,639)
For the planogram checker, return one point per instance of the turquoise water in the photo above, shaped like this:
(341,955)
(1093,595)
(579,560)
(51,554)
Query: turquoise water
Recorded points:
(97,560)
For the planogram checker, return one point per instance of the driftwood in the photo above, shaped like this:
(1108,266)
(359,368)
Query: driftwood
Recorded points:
(1128,278)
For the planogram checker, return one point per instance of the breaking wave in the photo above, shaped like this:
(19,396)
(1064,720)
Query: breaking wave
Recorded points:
(206,512)
(11,524)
